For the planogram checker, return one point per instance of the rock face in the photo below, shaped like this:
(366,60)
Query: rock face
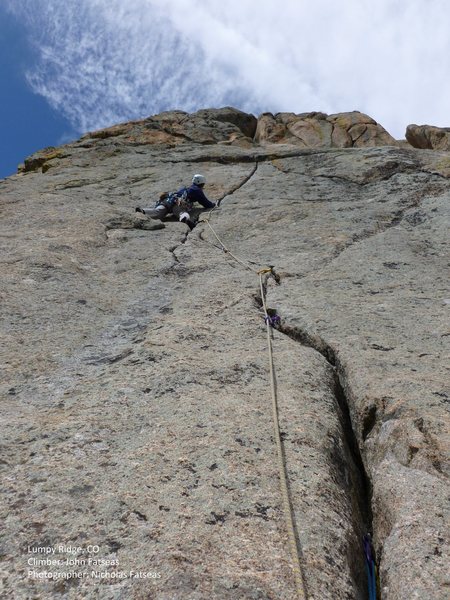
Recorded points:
(231,127)
(138,441)
(318,130)
(429,137)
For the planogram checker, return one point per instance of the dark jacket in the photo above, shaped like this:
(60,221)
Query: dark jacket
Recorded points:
(196,194)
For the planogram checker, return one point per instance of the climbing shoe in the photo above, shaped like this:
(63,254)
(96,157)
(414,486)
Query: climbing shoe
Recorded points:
(139,209)
(188,222)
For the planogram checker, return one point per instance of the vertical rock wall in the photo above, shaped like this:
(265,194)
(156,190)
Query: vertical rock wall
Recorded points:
(138,438)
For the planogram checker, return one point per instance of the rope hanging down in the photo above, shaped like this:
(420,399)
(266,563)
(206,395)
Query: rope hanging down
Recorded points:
(273,321)
(288,512)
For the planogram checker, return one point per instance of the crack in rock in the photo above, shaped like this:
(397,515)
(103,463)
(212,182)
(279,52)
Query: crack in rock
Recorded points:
(228,193)
(362,488)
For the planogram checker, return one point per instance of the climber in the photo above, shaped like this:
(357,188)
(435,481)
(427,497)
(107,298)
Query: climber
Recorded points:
(180,203)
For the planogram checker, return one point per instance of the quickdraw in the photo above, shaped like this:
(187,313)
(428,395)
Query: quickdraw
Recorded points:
(273,320)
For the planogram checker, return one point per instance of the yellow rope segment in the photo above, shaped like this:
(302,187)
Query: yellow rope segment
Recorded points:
(287,506)
(288,511)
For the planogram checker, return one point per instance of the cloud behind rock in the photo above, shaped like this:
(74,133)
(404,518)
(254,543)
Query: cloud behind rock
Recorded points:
(99,62)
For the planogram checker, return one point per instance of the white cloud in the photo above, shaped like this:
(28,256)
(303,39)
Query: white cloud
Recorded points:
(104,61)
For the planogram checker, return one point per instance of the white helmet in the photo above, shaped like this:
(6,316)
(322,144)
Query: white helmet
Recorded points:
(198,179)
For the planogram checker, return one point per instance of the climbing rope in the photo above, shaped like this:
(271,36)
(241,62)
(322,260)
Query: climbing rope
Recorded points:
(272,321)
(288,511)
(225,249)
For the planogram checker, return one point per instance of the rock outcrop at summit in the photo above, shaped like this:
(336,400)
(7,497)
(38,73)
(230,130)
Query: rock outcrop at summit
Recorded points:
(318,130)
(138,444)
(428,137)
(230,126)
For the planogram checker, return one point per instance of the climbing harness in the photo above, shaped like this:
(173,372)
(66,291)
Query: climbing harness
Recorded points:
(169,199)
(272,321)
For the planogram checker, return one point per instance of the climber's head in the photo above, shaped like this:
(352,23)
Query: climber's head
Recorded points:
(199,180)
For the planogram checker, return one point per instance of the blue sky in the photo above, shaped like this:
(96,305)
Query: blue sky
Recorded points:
(28,123)
(72,66)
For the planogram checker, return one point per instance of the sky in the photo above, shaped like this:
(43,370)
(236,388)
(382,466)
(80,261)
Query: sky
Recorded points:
(72,66)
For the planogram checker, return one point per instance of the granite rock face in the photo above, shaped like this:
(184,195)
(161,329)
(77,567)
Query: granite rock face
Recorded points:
(429,137)
(138,441)
(318,130)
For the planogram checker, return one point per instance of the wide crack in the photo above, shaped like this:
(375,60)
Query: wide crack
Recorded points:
(361,487)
